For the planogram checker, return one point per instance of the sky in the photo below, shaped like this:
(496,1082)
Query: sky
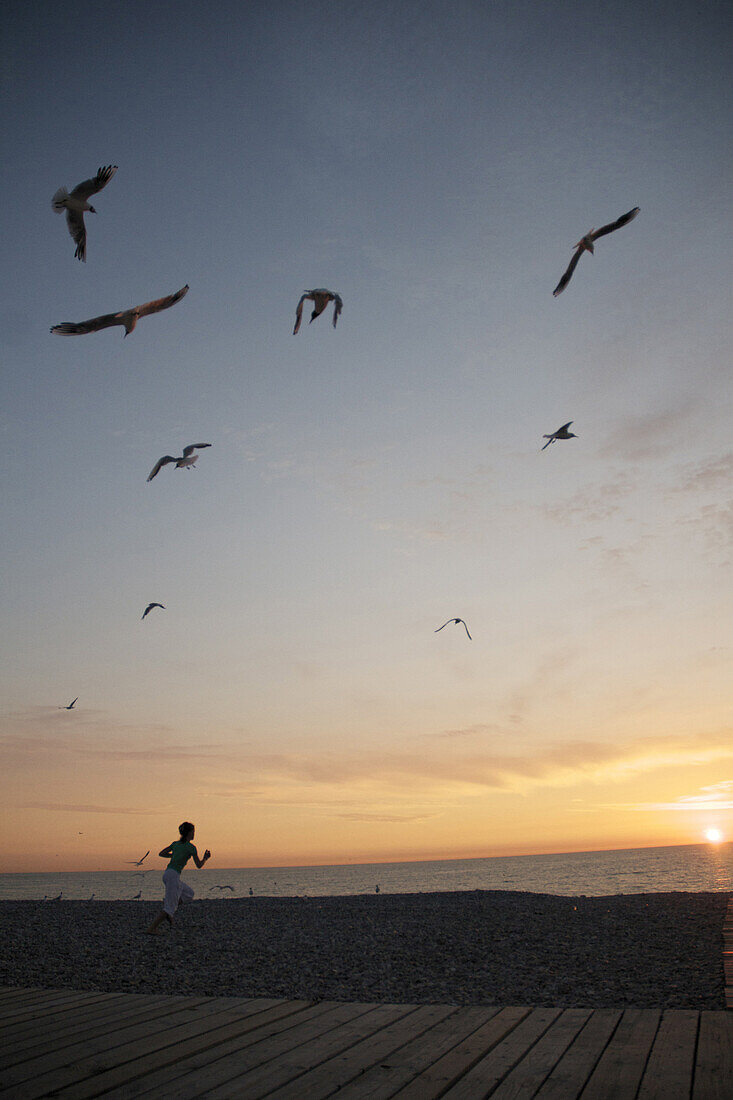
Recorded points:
(434,163)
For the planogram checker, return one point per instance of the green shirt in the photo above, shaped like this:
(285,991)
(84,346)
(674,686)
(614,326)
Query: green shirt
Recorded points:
(181,850)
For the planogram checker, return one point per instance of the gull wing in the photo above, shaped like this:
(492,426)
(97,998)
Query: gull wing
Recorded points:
(69,328)
(299,312)
(623,220)
(444,624)
(550,439)
(564,428)
(466,629)
(568,273)
(71,704)
(161,303)
(78,231)
(96,183)
(193,447)
(159,464)
(338,305)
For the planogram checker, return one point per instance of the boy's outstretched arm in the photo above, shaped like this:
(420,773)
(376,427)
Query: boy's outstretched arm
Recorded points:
(166,853)
(200,862)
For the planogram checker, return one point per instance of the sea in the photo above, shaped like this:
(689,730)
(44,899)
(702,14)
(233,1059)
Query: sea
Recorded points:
(688,867)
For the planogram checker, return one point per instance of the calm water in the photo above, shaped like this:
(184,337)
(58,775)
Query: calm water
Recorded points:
(625,871)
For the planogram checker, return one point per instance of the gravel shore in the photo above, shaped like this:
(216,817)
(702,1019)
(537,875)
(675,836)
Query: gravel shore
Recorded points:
(480,947)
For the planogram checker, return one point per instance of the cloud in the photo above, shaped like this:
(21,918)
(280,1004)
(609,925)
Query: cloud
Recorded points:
(716,796)
(74,809)
(712,474)
(594,502)
(650,435)
(397,819)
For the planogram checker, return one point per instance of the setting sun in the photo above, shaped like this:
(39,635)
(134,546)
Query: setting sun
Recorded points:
(714,836)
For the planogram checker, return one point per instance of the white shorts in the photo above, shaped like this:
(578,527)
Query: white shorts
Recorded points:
(175,891)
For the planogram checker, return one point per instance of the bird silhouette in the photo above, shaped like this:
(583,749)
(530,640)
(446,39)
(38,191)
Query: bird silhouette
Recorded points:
(561,433)
(151,605)
(187,459)
(320,299)
(70,706)
(138,862)
(456,621)
(76,203)
(128,318)
(585,244)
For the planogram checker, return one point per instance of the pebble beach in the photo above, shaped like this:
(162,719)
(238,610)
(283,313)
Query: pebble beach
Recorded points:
(464,948)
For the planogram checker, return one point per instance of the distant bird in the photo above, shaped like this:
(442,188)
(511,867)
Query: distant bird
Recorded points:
(128,318)
(227,887)
(138,862)
(70,706)
(561,433)
(456,621)
(186,459)
(320,299)
(152,605)
(376,888)
(91,898)
(75,204)
(137,896)
(585,244)
(251,892)
(57,898)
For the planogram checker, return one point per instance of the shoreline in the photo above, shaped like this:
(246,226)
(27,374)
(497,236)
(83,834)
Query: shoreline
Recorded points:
(484,947)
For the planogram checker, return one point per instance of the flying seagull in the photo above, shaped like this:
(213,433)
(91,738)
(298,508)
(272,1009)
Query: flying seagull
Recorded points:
(137,896)
(186,459)
(320,299)
(76,203)
(585,244)
(456,621)
(137,862)
(561,433)
(227,887)
(70,706)
(128,318)
(152,605)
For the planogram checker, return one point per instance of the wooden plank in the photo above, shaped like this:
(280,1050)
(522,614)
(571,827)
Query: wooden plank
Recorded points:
(531,1073)
(713,1077)
(117,1068)
(323,1068)
(168,1079)
(40,1000)
(262,1049)
(668,1073)
(88,1057)
(404,1065)
(435,1079)
(486,1074)
(622,1063)
(72,1029)
(571,1074)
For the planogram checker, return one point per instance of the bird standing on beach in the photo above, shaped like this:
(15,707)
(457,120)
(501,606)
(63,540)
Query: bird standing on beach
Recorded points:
(138,862)
(151,605)
(561,433)
(585,244)
(320,299)
(128,318)
(76,203)
(187,459)
(456,621)
(70,706)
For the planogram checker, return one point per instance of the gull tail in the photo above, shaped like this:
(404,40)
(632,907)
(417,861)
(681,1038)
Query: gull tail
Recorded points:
(58,202)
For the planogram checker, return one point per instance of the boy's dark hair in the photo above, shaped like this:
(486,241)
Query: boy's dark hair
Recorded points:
(184,828)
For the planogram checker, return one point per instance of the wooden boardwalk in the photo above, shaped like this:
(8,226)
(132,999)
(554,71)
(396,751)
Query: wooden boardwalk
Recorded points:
(71,1044)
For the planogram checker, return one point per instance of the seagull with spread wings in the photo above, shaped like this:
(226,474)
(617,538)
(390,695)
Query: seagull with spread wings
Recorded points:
(585,244)
(456,621)
(138,862)
(151,605)
(76,203)
(561,433)
(186,460)
(320,299)
(70,706)
(128,318)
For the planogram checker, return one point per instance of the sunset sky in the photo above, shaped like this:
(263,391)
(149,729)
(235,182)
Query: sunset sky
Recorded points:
(434,163)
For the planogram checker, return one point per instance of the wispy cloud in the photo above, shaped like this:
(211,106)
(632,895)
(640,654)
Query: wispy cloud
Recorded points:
(716,796)
(72,808)
(712,474)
